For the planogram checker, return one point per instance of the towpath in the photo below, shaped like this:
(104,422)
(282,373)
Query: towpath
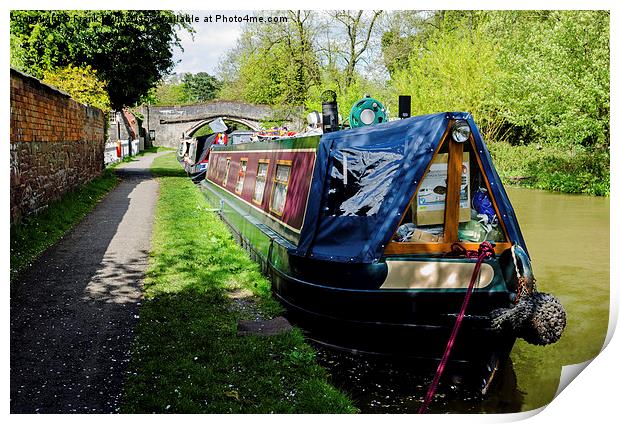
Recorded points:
(74,311)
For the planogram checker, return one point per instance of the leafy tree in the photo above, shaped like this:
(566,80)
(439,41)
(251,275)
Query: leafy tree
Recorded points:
(167,94)
(556,84)
(81,83)
(131,50)
(456,70)
(273,63)
(17,54)
(200,87)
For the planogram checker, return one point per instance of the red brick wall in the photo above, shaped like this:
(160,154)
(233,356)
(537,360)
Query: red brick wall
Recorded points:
(57,144)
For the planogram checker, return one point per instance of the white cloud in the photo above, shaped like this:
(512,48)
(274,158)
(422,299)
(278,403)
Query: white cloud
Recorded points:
(211,41)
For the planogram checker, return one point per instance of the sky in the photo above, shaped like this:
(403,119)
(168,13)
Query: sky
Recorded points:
(211,40)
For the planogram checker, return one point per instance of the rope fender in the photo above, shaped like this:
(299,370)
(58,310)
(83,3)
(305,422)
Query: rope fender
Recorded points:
(538,318)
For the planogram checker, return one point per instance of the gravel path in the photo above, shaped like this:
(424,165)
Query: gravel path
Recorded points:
(74,310)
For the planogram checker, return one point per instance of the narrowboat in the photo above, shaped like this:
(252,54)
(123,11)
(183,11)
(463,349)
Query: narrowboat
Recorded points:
(196,166)
(366,232)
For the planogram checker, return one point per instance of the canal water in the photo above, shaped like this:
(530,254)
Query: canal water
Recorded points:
(568,240)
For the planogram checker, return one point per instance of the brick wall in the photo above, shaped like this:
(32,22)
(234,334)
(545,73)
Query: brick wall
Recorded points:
(56,144)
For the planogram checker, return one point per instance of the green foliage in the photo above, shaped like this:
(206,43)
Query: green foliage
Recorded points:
(81,83)
(527,77)
(131,50)
(200,87)
(456,71)
(187,357)
(17,54)
(556,85)
(273,64)
(166,94)
(553,167)
(268,77)
(38,232)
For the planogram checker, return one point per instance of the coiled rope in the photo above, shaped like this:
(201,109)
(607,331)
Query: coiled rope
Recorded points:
(484,251)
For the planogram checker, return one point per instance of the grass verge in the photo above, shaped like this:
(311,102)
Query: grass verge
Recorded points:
(187,357)
(38,232)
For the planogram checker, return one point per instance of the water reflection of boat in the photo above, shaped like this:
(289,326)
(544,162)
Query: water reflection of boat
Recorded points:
(338,223)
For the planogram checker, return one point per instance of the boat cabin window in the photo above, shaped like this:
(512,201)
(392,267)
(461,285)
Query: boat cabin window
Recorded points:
(243,165)
(261,179)
(425,218)
(483,222)
(227,172)
(280,187)
(220,168)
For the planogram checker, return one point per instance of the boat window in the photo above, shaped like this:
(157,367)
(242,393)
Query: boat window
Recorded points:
(482,223)
(182,149)
(261,179)
(424,218)
(243,165)
(221,167)
(227,172)
(359,179)
(280,187)
(477,218)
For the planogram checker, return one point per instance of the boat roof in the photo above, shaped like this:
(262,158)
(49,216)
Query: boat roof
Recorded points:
(390,160)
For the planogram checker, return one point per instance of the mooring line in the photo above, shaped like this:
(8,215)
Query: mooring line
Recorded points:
(484,251)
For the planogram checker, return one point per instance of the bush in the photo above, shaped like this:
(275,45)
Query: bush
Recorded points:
(549,167)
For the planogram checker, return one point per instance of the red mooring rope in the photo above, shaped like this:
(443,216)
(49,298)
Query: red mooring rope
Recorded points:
(484,251)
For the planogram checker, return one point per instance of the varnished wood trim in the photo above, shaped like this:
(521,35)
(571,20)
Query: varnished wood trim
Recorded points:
(395,248)
(453,192)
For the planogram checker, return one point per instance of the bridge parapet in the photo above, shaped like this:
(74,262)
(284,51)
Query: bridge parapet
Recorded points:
(172,123)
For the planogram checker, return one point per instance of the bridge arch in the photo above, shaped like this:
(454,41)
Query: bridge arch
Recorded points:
(169,124)
(255,126)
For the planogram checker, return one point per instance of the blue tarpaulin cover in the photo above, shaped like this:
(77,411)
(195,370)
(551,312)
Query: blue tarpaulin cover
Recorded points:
(364,179)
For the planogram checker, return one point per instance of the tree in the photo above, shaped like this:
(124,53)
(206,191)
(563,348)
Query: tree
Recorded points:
(358,26)
(131,50)
(274,63)
(201,87)
(557,67)
(168,94)
(81,83)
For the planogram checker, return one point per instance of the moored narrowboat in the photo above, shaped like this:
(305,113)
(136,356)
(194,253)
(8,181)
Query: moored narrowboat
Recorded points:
(371,234)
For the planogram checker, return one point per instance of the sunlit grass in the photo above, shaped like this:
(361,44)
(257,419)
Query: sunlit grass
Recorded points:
(187,357)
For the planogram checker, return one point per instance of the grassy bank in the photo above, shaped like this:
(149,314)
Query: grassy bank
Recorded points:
(36,233)
(187,357)
(555,168)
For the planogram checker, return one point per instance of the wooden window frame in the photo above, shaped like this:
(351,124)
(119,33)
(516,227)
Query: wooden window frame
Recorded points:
(267,161)
(239,175)
(451,217)
(275,181)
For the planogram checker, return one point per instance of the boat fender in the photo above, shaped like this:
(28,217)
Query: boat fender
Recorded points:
(538,318)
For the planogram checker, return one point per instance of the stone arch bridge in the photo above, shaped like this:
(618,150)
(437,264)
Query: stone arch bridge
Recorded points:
(172,123)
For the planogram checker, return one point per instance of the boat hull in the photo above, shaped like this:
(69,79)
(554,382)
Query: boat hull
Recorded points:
(343,305)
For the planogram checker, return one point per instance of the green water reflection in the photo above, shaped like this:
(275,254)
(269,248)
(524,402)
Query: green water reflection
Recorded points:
(568,241)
